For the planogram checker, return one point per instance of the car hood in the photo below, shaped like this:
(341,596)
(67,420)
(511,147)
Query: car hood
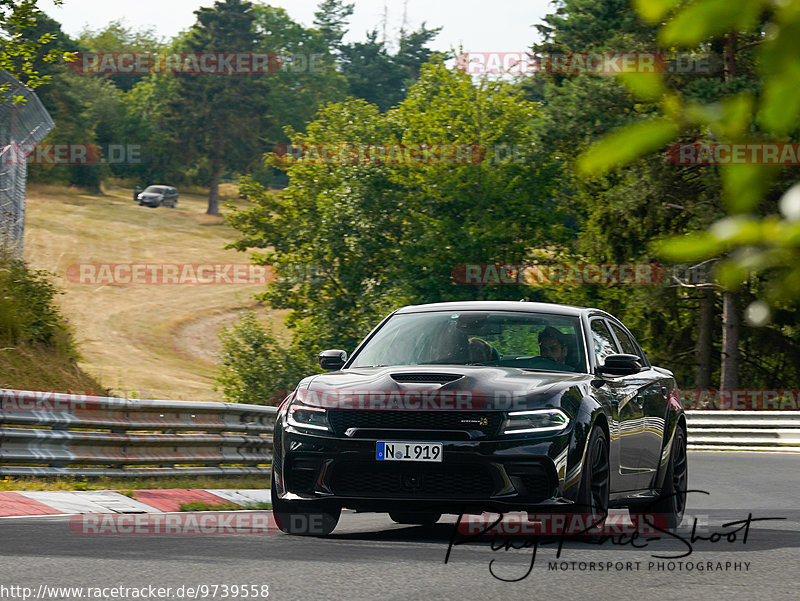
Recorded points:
(444,387)
(150,195)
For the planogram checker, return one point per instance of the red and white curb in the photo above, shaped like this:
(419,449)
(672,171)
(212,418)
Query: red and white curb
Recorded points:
(37,503)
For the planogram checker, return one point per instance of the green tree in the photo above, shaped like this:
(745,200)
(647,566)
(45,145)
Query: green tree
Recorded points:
(752,240)
(22,48)
(379,77)
(116,37)
(306,80)
(351,242)
(254,368)
(218,118)
(330,19)
(81,106)
(620,214)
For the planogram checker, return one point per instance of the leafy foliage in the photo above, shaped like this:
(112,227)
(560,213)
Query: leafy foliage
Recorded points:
(21,46)
(254,368)
(376,236)
(750,243)
(28,311)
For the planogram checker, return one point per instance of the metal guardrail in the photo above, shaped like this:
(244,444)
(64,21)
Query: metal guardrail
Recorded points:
(744,430)
(49,434)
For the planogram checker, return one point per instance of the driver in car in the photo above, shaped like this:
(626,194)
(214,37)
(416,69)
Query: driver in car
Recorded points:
(553,346)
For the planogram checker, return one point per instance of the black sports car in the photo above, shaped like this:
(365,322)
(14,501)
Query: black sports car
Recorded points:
(481,406)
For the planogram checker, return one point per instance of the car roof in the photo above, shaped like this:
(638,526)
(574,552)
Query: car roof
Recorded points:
(523,306)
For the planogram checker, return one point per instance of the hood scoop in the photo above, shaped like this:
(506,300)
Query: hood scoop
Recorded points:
(425,378)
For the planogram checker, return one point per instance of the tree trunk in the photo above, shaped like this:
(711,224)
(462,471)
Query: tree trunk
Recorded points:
(704,345)
(730,57)
(213,194)
(731,324)
(730,310)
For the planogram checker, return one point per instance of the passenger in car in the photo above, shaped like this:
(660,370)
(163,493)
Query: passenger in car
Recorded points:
(481,351)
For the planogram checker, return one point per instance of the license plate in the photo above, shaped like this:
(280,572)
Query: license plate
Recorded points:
(409,451)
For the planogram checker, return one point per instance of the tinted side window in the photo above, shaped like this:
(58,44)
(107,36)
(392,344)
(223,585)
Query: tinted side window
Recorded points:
(602,341)
(624,340)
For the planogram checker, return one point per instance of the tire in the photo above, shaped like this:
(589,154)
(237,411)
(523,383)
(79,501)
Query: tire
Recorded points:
(304,519)
(671,503)
(594,489)
(418,518)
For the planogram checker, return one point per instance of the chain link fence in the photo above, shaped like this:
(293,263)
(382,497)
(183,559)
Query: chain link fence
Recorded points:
(22,126)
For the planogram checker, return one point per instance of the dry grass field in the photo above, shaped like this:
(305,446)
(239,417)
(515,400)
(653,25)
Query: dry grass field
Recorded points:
(143,340)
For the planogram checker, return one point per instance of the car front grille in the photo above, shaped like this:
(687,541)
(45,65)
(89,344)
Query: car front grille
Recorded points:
(488,422)
(371,480)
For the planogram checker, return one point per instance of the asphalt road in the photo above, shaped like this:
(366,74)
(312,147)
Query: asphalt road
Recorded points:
(370,558)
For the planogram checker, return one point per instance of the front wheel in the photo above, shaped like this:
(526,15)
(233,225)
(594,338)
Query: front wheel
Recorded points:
(671,503)
(594,488)
(302,518)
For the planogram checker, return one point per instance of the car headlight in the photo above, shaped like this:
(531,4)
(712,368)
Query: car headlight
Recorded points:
(306,416)
(537,420)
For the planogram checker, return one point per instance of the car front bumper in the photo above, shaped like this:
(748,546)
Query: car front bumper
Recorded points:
(510,473)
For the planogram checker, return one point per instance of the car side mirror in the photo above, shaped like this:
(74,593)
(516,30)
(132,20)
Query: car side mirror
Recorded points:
(620,365)
(332,360)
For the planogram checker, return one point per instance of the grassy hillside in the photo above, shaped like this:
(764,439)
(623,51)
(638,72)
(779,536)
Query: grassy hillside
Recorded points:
(37,367)
(145,340)
(37,350)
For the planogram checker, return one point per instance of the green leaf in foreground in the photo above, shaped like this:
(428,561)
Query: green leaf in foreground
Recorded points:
(744,185)
(626,145)
(780,103)
(690,247)
(731,275)
(703,19)
(653,11)
(643,86)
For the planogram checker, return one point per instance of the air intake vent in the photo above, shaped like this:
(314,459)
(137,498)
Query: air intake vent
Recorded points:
(426,378)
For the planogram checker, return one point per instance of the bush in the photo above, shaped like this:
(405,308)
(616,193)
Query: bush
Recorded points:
(255,368)
(28,312)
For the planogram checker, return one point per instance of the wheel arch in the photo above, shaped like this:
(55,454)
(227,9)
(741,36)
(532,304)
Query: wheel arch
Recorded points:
(591,415)
(677,419)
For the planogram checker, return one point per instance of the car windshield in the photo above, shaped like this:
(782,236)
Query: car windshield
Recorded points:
(156,189)
(535,341)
